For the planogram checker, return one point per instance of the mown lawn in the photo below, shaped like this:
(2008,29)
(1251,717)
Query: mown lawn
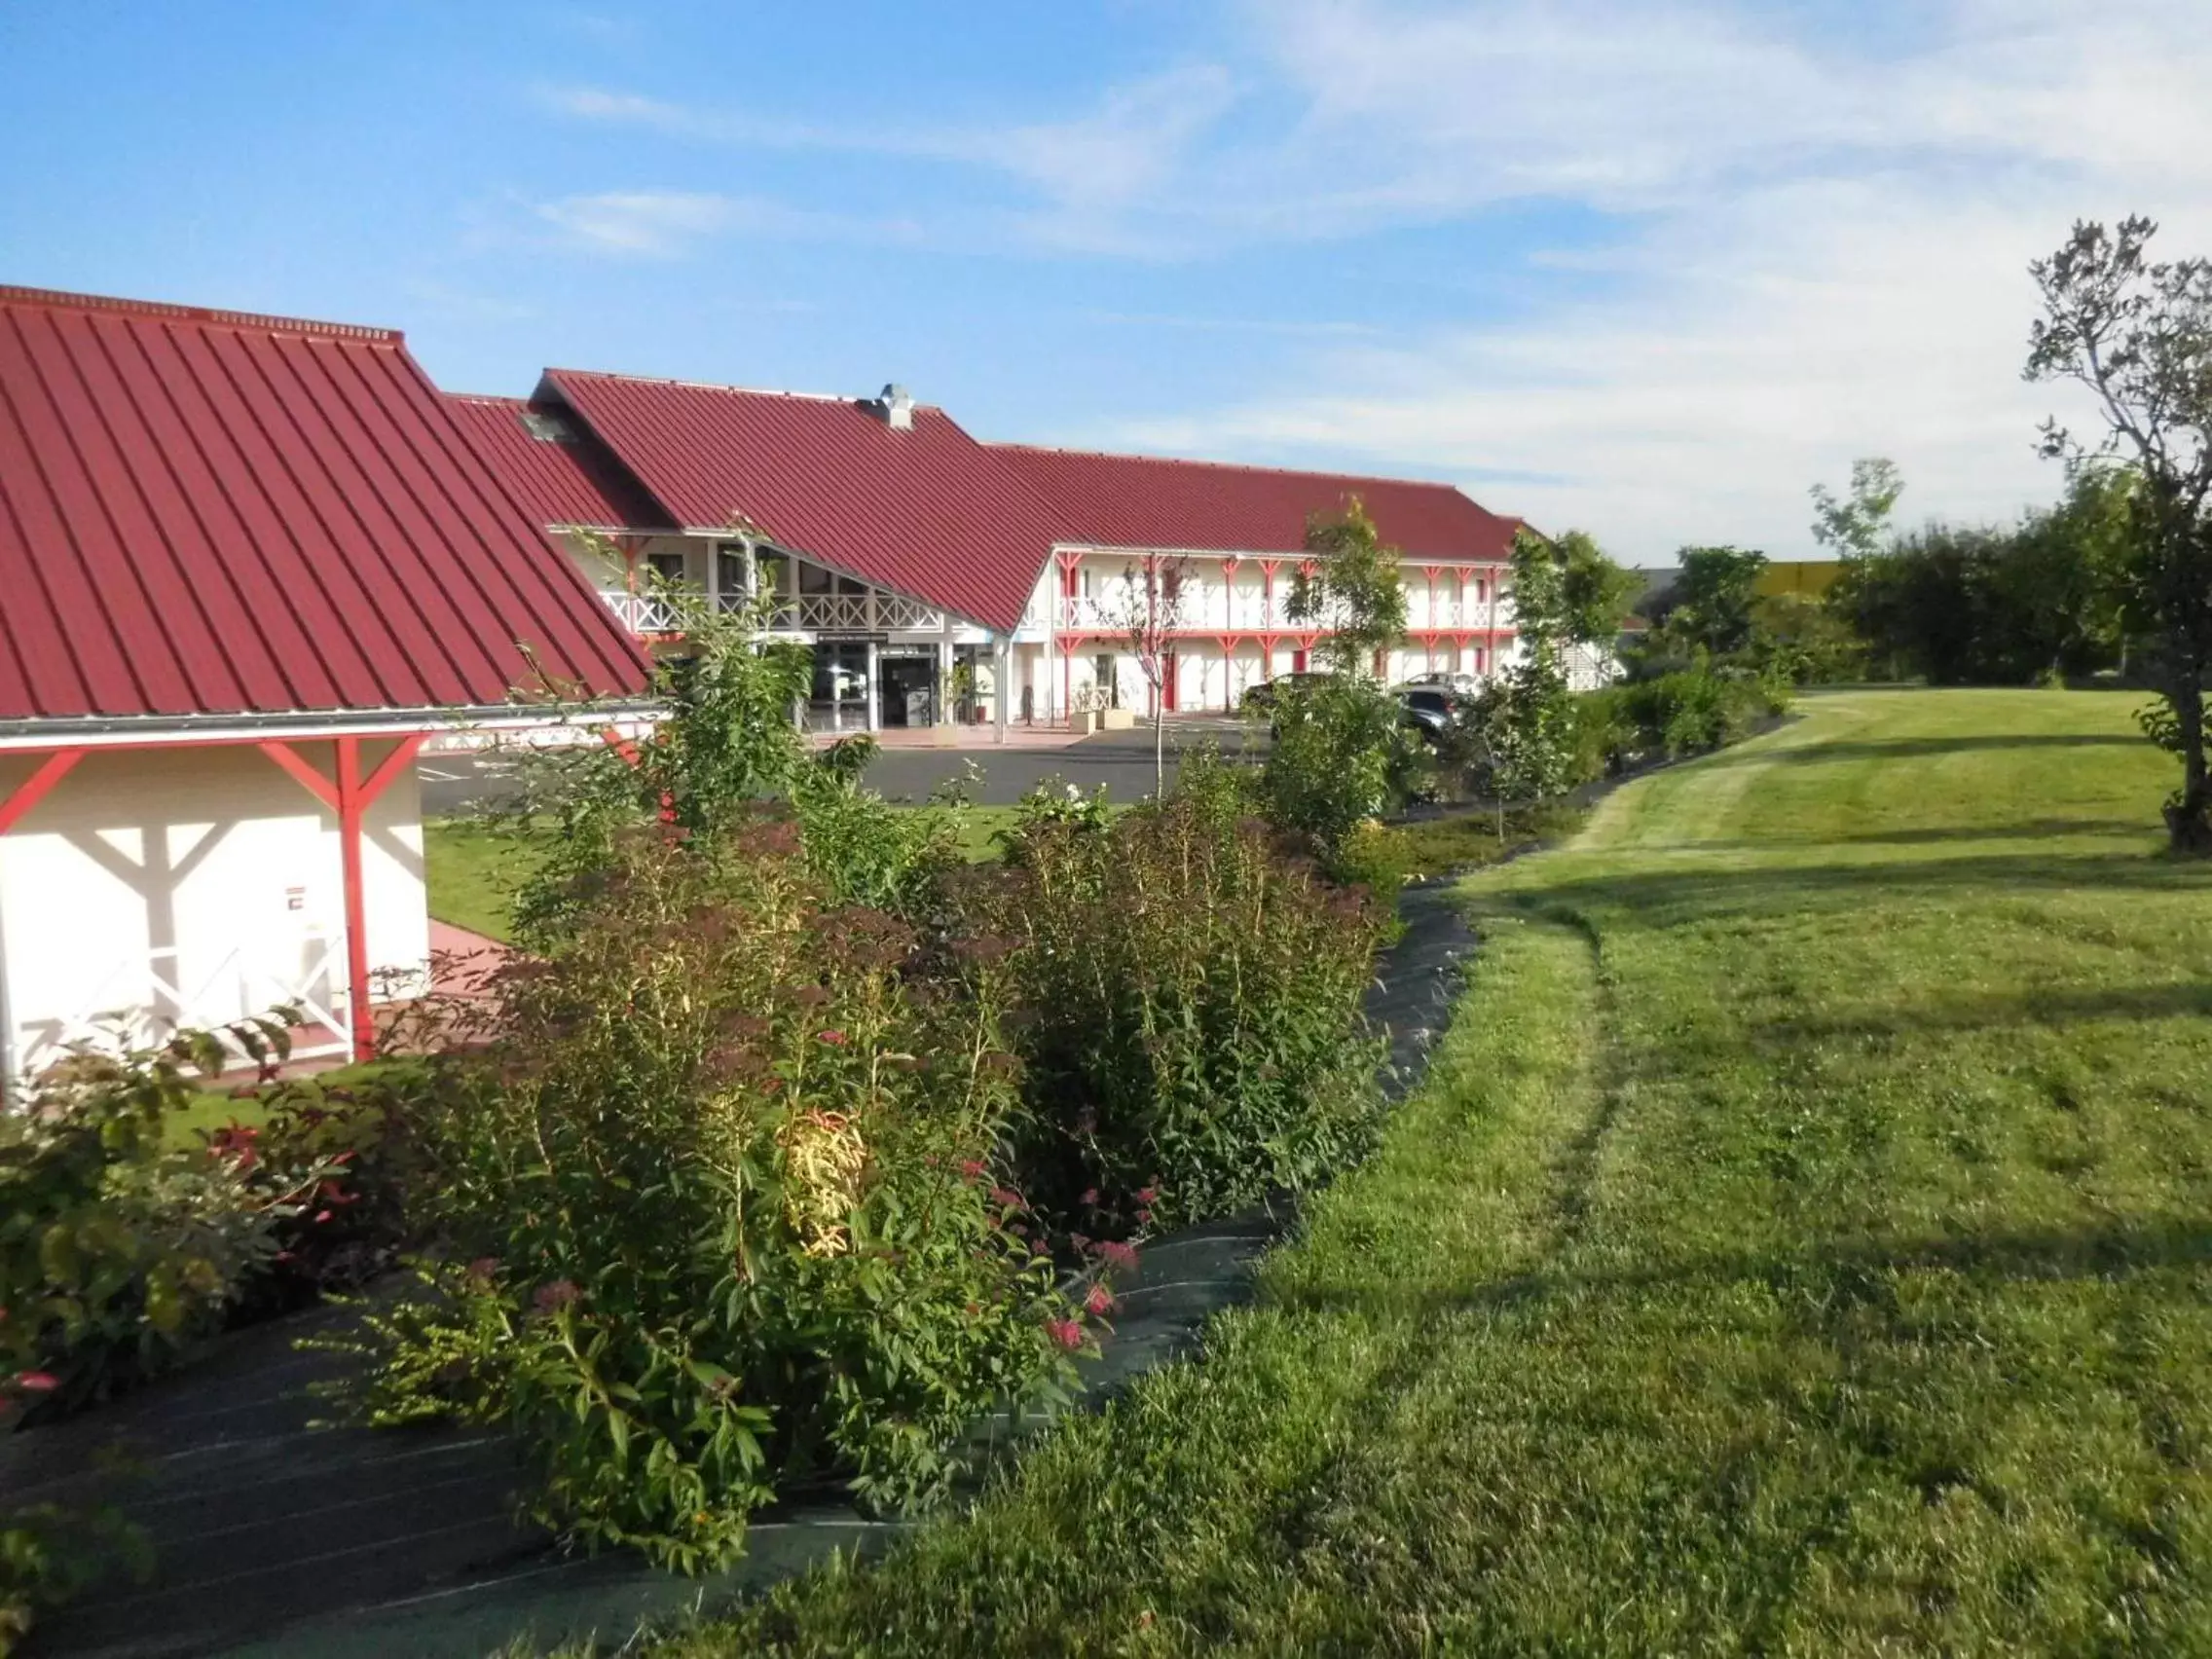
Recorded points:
(473,867)
(471,871)
(1803,1245)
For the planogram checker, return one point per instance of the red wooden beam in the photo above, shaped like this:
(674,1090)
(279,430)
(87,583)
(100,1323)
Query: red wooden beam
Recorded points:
(349,796)
(37,787)
(311,780)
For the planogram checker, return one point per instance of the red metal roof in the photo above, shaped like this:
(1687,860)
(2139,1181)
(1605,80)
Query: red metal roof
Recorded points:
(560,471)
(212,512)
(930,511)
(1129,500)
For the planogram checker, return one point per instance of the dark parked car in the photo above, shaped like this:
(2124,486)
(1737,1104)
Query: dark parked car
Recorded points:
(1261,698)
(1432,709)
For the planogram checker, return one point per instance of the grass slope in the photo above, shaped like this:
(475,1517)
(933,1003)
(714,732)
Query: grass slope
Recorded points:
(1800,1245)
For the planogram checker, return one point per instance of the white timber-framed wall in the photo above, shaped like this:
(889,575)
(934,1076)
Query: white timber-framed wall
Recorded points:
(196,884)
(1072,649)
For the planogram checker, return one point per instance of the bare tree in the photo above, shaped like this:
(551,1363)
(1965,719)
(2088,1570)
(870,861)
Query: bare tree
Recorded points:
(2138,336)
(1151,620)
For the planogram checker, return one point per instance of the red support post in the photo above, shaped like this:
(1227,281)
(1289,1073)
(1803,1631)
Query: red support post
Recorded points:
(349,796)
(37,787)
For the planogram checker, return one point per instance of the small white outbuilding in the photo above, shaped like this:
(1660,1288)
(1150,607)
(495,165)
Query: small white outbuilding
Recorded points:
(248,566)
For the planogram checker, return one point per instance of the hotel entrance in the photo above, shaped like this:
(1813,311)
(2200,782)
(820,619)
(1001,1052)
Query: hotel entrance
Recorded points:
(906,683)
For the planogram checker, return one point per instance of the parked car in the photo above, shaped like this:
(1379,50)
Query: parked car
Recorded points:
(1434,710)
(1263,697)
(1463,685)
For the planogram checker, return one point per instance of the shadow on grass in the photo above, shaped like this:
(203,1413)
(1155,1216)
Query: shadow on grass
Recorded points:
(1828,1278)
(2033,1008)
(1911,748)
(1671,897)
(2043,829)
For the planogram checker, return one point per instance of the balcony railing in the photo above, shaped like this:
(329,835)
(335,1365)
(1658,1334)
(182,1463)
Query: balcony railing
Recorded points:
(809,613)
(876,612)
(642,612)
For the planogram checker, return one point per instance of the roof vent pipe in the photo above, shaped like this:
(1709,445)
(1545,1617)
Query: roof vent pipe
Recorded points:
(898,408)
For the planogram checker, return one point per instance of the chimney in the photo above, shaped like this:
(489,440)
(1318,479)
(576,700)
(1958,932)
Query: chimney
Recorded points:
(898,408)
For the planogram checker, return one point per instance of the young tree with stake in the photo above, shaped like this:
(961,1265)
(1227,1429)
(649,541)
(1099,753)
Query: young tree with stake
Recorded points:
(1152,619)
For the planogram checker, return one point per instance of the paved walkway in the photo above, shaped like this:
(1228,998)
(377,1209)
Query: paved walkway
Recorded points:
(275,1538)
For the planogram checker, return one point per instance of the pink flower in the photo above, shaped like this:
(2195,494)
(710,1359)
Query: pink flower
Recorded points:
(1144,1216)
(1145,1195)
(37,1381)
(1100,1303)
(484,1268)
(1122,1258)
(559,1293)
(1068,1333)
(971,1170)
(836,1039)
(1089,1196)
(1006,1198)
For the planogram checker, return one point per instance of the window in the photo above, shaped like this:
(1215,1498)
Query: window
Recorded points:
(668,567)
(729,568)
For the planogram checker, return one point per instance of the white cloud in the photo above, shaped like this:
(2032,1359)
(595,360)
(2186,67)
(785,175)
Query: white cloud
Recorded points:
(1826,254)
(1817,252)
(664,224)
(1087,173)
(653,224)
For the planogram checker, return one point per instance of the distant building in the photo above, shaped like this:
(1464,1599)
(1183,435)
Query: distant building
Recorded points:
(913,559)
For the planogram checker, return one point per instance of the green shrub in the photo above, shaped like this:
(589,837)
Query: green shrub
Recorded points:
(713,1207)
(1342,754)
(1605,737)
(1189,1009)
(118,1248)
(1696,709)
(50,1555)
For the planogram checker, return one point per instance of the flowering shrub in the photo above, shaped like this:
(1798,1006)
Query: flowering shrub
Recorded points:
(117,1248)
(714,1206)
(1189,1009)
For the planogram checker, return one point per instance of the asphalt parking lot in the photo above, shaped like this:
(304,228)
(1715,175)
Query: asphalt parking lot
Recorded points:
(1121,760)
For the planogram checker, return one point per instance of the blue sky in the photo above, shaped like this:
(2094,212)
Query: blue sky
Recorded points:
(1646,267)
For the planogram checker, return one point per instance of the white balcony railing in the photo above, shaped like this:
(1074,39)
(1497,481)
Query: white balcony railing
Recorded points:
(873,612)
(809,613)
(642,612)
(141,998)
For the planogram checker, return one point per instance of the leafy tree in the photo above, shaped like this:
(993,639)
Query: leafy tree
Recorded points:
(1854,525)
(1709,607)
(1353,587)
(2138,336)
(1805,640)
(1524,726)
(1587,601)
(1915,601)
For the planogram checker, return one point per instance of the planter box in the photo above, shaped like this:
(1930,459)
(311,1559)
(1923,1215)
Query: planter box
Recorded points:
(1118,720)
(1087,722)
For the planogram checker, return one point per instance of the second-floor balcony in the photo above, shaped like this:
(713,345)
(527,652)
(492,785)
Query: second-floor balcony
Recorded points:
(871,612)
(1210,610)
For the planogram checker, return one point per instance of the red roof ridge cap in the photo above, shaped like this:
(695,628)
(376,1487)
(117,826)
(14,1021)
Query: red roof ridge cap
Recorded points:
(56,299)
(1240,466)
(722,386)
